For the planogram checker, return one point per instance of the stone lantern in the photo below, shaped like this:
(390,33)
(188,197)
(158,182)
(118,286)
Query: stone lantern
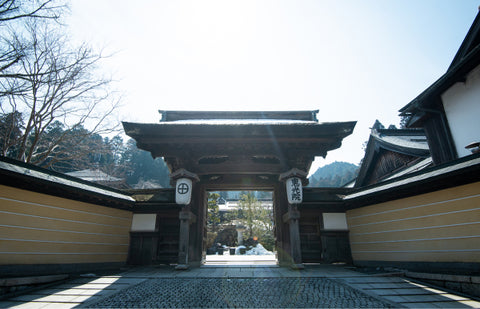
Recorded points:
(240,229)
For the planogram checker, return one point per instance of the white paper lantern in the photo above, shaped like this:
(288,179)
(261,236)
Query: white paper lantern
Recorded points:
(294,190)
(183,191)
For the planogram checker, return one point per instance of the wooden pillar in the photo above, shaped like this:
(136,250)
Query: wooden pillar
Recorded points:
(186,218)
(292,217)
(197,229)
(282,236)
(183,193)
(294,179)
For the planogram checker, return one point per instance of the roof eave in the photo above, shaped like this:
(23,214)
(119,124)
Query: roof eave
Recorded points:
(159,130)
(472,35)
(455,173)
(22,175)
(453,75)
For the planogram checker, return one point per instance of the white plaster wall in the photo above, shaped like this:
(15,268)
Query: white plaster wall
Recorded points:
(335,221)
(143,222)
(462,108)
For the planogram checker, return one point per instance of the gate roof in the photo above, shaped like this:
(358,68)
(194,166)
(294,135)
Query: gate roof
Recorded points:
(216,145)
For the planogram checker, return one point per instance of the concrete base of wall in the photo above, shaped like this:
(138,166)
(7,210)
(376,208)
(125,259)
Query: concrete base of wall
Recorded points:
(53,269)
(469,285)
(455,268)
(10,287)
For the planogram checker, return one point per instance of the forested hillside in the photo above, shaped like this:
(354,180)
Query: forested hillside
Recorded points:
(79,149)
(333,175)
(87,150)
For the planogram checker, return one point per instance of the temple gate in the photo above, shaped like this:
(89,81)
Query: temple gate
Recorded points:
(213,151)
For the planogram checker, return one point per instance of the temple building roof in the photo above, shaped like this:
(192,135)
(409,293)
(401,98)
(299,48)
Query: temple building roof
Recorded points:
(391,153)
(93,175)
(97,176)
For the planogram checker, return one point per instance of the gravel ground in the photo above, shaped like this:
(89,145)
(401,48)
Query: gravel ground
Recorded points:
(240,293)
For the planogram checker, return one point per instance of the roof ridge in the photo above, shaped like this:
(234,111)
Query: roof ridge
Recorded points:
(175,115)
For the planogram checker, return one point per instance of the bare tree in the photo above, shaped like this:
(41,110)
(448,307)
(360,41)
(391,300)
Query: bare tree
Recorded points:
(13,12)
(18,9)
(59,83)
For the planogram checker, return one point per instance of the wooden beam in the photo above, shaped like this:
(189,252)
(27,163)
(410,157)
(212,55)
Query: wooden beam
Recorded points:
(239,182)
(242,168)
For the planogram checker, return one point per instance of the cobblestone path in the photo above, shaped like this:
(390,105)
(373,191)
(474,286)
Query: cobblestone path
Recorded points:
(240,293)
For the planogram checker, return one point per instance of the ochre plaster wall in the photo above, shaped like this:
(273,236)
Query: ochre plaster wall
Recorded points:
(442,226)
(42,229)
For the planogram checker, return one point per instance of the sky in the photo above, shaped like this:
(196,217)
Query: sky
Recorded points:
(351,60)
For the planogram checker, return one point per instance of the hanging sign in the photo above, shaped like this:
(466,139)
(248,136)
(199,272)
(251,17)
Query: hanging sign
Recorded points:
(294,190)
(183,191)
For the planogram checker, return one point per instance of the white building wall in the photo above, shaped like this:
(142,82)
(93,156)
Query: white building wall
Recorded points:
(335,221)
(462,108)
(143,222)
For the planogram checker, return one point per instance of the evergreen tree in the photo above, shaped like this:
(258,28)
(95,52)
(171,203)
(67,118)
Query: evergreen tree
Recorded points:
(213,214)
(141,167)
(335,174)
(257,219)
(11,125)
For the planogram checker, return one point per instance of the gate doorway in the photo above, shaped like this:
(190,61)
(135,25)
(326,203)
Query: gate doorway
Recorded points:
(251,150)
(240,229)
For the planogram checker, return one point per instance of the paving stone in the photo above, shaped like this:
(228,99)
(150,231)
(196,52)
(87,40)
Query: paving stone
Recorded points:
(103,280)
(395,298)
(240,292)
(383,286)
(8,304)
(419,305)
(249,287)
(95,286)
(46,298)
(32,305)
(376,280)
(424,298)
(442,297)
(59,305)
(471,303)
(451,304)
(388,291)
(71,292)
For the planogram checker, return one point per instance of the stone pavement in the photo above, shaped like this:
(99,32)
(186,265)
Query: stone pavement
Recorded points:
(251,286)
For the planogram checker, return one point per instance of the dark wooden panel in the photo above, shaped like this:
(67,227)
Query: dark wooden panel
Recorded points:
(336,246)
(311,243)
(158,247)
(168,226)
(140,248)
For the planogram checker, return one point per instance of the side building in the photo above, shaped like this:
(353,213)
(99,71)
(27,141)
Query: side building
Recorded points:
(428,218)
